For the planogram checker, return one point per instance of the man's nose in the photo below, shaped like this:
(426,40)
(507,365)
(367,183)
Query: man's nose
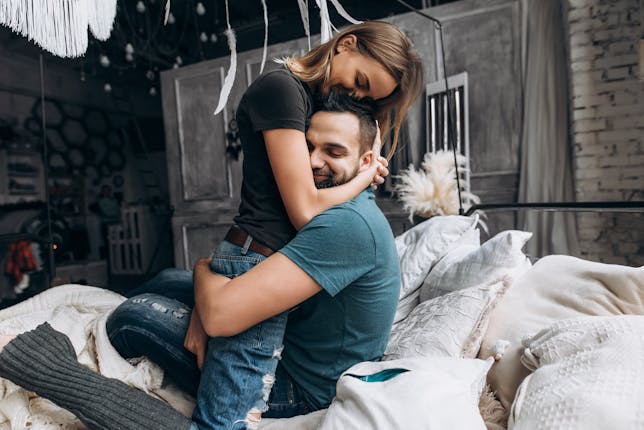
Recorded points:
(316,160)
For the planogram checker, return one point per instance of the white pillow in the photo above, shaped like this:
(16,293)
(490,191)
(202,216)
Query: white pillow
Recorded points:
(465,265)
(451,325)
(556,288)
(589,375)
(435,393)
(421,247)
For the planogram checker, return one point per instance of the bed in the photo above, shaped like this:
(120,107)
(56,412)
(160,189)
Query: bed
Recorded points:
(482,338)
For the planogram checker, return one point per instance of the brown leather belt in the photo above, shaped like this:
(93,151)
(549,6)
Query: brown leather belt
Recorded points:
(238,237)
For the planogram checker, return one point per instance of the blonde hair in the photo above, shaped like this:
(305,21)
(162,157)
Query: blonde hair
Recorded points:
(385,43)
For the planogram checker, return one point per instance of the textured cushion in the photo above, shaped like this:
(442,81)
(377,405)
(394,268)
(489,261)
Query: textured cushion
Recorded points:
(451,325)
(589,376)
(467,265)
(435,393)
(421,247)
(555,288)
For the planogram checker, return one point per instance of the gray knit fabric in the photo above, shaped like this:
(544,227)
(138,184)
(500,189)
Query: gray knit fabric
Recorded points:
(43,360)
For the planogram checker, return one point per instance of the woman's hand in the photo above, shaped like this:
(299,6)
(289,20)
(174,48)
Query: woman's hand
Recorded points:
(196,338)
(379,165)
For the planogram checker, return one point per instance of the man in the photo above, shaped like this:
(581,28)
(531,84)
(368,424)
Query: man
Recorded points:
(340,273)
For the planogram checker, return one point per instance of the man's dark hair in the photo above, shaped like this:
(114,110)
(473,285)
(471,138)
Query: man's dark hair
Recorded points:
(338,100)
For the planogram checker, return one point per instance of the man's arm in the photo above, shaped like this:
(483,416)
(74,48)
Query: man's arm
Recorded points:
(227,307)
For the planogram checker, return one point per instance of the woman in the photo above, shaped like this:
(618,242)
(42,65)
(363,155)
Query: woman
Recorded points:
(278,196)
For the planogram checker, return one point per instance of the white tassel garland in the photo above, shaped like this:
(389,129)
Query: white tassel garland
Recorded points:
(59,26)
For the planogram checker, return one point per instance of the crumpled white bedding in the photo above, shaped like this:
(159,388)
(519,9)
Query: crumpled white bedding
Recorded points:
(80,312)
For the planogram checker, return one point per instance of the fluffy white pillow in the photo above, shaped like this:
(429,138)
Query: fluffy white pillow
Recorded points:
(435,393)
(421,247)
(557,287)
(466,265)
(451,325)
(589,376)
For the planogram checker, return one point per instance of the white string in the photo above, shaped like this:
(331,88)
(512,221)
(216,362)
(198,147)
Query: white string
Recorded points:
(325,21)
(167,12)
(304,14)
(344,13)
(261,68)
(230,75)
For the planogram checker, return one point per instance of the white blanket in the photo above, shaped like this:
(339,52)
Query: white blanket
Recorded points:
(80,312)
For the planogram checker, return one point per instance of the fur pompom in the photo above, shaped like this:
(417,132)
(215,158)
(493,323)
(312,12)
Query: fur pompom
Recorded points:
(432,190)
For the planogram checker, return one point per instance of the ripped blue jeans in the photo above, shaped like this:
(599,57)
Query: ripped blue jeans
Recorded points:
(240,375)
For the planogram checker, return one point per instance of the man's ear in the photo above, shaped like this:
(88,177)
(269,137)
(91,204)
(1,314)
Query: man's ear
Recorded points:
(348,42)
(365,160)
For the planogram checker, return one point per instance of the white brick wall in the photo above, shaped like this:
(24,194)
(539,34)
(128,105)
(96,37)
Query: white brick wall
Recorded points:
(607,103)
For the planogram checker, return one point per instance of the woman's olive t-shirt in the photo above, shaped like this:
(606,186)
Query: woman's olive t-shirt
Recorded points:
(277,99)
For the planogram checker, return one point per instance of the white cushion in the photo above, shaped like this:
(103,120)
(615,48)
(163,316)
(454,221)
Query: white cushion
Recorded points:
(451,325)
(467,265)
(589,376)
(421,247)
(557,287)
(435,393)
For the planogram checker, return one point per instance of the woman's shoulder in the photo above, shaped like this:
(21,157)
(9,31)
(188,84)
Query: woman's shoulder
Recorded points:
(278,79)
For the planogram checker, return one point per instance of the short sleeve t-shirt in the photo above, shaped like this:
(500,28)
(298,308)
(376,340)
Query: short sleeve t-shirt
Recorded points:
(277,99)
(350,251)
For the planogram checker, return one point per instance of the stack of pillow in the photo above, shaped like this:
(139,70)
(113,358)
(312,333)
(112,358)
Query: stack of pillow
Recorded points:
(450,282)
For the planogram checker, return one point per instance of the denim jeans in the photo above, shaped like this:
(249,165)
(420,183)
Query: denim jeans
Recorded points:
(240,374)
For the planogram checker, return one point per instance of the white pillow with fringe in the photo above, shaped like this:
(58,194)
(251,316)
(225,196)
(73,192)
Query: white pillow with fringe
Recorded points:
(588,375)
(452,325)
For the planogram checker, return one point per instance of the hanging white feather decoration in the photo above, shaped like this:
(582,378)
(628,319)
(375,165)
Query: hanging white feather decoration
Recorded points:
(325,21)
(232,69)
(304,14)
(344,13)
(59,26)
(261,68)
(167,13)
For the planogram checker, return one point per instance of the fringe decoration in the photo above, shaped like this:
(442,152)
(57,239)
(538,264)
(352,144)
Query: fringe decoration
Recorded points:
(344,13)
(261,68)
(59,26)
(101,17)
(232,69)
(167,13)
(304,13)
(325,21)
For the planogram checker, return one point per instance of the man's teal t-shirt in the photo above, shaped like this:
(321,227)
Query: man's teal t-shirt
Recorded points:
(350,251)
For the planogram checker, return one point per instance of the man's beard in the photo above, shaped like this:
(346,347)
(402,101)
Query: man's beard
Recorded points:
(332,180)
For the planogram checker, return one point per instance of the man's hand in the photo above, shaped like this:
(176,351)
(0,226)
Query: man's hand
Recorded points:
(196,339)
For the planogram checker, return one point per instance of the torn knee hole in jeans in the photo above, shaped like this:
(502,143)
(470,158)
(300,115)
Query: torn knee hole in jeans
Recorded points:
(181,313)
(254,416)
(159,307)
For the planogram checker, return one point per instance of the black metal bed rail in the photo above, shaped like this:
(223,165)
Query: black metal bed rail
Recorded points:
(630,206)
